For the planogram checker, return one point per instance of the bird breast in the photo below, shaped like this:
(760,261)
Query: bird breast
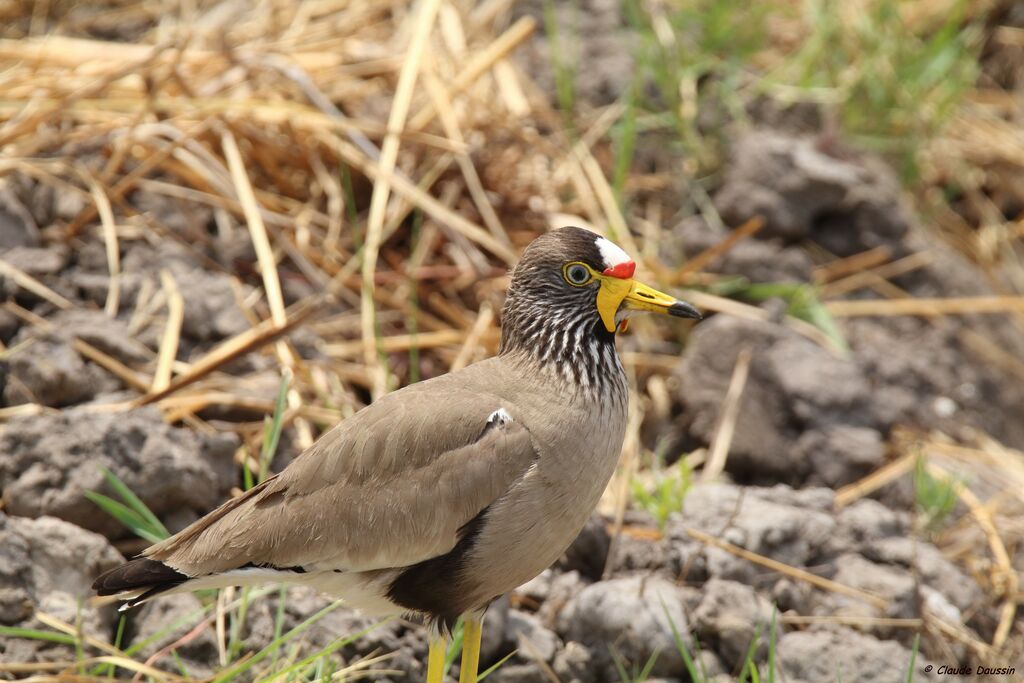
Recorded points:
(528,529)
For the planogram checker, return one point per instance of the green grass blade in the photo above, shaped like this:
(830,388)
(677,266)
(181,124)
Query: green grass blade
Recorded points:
(619,666)
(107,670)
(282,597)
(494,667)
(749,667)
(913,658)
(233,672)
(272,435)
(35,634)
(247,480)
(802,302)
(180,663)
(624,145)
(684,650)
(456,645)
(133,501)
(79,646)
(189,620)
(319,656)
(126,516)
(818,315)
(649,666)
(565,78)
(237,624)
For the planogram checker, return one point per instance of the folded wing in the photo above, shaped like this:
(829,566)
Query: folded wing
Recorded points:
(392,486)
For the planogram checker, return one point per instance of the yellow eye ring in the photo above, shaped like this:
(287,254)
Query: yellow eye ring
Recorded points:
(577,274)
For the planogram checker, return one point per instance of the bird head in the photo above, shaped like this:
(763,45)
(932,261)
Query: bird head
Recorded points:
(573,279)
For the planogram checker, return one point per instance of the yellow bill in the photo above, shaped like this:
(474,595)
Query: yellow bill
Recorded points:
(631,295)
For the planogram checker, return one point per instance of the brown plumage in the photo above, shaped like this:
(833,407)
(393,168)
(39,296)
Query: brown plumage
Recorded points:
(448,493)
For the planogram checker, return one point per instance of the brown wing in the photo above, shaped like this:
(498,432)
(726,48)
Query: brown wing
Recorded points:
(389,487)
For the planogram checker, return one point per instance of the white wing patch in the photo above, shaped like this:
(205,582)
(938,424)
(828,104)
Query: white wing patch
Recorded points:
(499,417)
(611,253)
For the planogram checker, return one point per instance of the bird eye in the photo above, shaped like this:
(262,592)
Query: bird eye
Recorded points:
(577,274)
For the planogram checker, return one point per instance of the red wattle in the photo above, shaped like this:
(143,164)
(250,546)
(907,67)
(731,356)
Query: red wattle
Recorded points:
(623,271)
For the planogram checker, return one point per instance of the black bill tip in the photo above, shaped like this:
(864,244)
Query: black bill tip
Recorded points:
(681,309)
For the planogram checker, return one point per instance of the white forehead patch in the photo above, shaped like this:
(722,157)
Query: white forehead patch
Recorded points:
(611,253)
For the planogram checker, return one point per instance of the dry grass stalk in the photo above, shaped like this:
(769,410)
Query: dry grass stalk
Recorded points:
(1008,464)
(68,629)
(451,126)
(720,248)
(616,496)
(481,325)
(928,307)
(258,231)
(32,667)
(113,252)
(178,405)
(130,377)
(115,367)
(480,64)
(720,304)
(405,342)
(17,128)
(191,635)
(172,332)
(959,634)
(29,283)
(852,265)
(129,664)
(612,213)
(1005,578)
(382,184)
(426,203)
(264,255)
(871,276)
(220,621)
(876,480)
(851,620)
(992,352)
(792,572)
(730,413)
(238,345)
(26,410)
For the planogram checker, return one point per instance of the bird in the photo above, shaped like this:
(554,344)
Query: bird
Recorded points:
(442,496)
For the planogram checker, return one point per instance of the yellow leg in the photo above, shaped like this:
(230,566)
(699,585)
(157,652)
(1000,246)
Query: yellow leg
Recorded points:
(471,631)
(435,660)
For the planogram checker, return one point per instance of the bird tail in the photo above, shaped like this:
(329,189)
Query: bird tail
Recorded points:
(137,581)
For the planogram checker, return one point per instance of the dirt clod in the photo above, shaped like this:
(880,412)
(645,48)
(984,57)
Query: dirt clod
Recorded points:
(47,564)
(17,226)
(728,616)
(851,656)
(795,388)
(51,460)
(636,613)
(845,204)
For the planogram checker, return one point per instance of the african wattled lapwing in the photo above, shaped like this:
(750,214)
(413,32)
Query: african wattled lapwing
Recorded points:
(442,496)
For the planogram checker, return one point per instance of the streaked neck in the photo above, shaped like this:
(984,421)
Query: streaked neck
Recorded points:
(578,349)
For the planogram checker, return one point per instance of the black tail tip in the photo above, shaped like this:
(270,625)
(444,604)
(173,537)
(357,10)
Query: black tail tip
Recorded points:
(139,574)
